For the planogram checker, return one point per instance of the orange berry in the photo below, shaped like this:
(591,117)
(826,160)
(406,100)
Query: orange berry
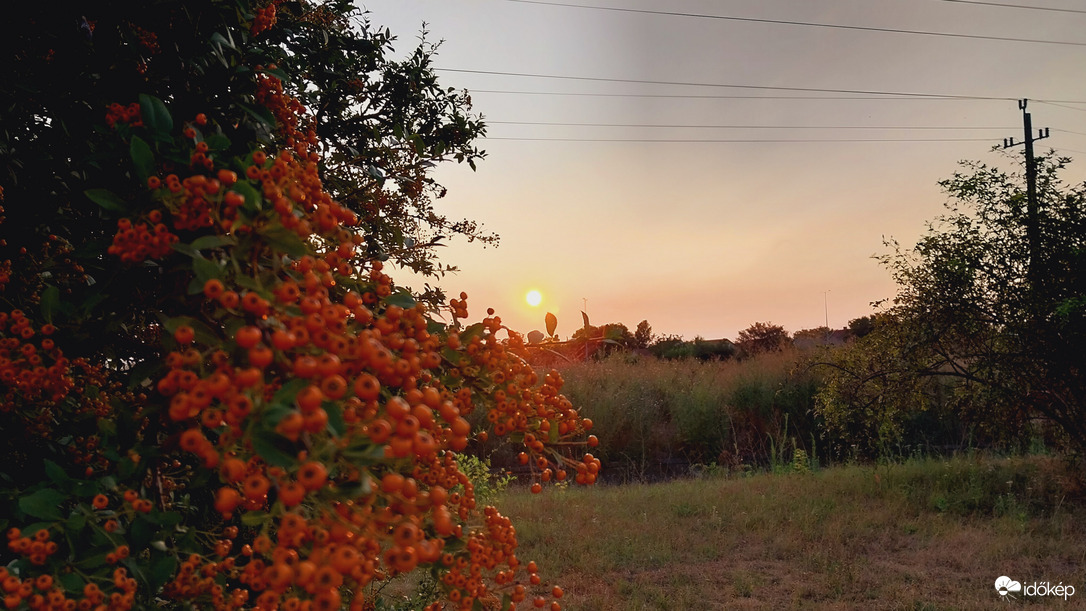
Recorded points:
(229,299)
(312,475)
(292,494)
(282,339)
(227,177)
(309,398)
(213,288)
(248,337)
(184,335)
(261,356)
(392,482)
(227,500)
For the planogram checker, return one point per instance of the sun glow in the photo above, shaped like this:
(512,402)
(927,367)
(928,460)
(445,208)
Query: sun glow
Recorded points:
(534,298)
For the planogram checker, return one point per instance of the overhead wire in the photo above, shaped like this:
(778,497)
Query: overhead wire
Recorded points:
(740,126)
(741,140)
(801,23)
(1019,6)
(1061,105)
(711,96)
(725,85)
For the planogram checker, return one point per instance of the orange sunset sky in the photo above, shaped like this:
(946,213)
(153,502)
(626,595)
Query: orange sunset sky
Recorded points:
(646,189)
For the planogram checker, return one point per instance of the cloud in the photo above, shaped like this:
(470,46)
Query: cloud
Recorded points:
(1005,584)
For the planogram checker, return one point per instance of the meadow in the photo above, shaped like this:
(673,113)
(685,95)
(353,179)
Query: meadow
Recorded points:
(924,534)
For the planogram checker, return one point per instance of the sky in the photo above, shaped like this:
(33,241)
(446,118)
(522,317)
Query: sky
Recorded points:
(706,238)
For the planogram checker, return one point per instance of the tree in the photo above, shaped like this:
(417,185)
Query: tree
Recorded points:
(861,326)
(816,334)
(603,340)
(643,335)
(882,397)
(762,337)
(969,308)
(213,396)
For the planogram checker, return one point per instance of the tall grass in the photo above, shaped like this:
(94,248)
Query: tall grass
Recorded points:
(655,417)
(922,534)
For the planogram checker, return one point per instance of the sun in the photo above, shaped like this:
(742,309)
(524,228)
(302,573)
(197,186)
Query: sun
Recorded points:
(534,298)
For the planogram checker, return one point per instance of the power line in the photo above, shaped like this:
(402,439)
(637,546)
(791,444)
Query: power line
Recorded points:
(719,126)
(1021,6)
(801,23)
(725,85)
(1062,105)
(710,96)
(742,140)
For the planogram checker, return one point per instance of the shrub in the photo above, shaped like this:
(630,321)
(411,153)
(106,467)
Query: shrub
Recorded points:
(213,396)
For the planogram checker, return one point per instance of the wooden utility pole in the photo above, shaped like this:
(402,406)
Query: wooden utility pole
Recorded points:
(1032,215)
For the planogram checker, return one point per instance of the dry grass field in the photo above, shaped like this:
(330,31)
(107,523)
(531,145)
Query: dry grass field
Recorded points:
(922,535)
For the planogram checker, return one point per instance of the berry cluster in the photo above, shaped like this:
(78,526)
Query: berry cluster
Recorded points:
(137,242)
(129,115)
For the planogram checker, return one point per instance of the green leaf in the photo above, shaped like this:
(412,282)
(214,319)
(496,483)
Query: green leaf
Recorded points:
(552,323)
(155,115)
(401,298)
(74,525)
(217,142)
(106,199)
(139,535)
(219,39)
(71,582)
(364,453)
(185,249)
(254,518)
(50,302)
(260,113)
(213,241)
(55,473)
(83,489)
(44,504)
(272,414)
(162,570)
(264,443)
(206,270)
(335,417)
(253,198)
(142,157)
(284,240)
(475,330)
(278,73)
(288,391)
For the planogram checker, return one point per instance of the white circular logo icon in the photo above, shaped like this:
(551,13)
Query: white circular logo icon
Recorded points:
(1005,585)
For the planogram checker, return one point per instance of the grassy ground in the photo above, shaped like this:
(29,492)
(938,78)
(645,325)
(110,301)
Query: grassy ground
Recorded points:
(925,535)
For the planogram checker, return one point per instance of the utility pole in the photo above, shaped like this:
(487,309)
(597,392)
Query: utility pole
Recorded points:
(1032,222)
(826,295)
